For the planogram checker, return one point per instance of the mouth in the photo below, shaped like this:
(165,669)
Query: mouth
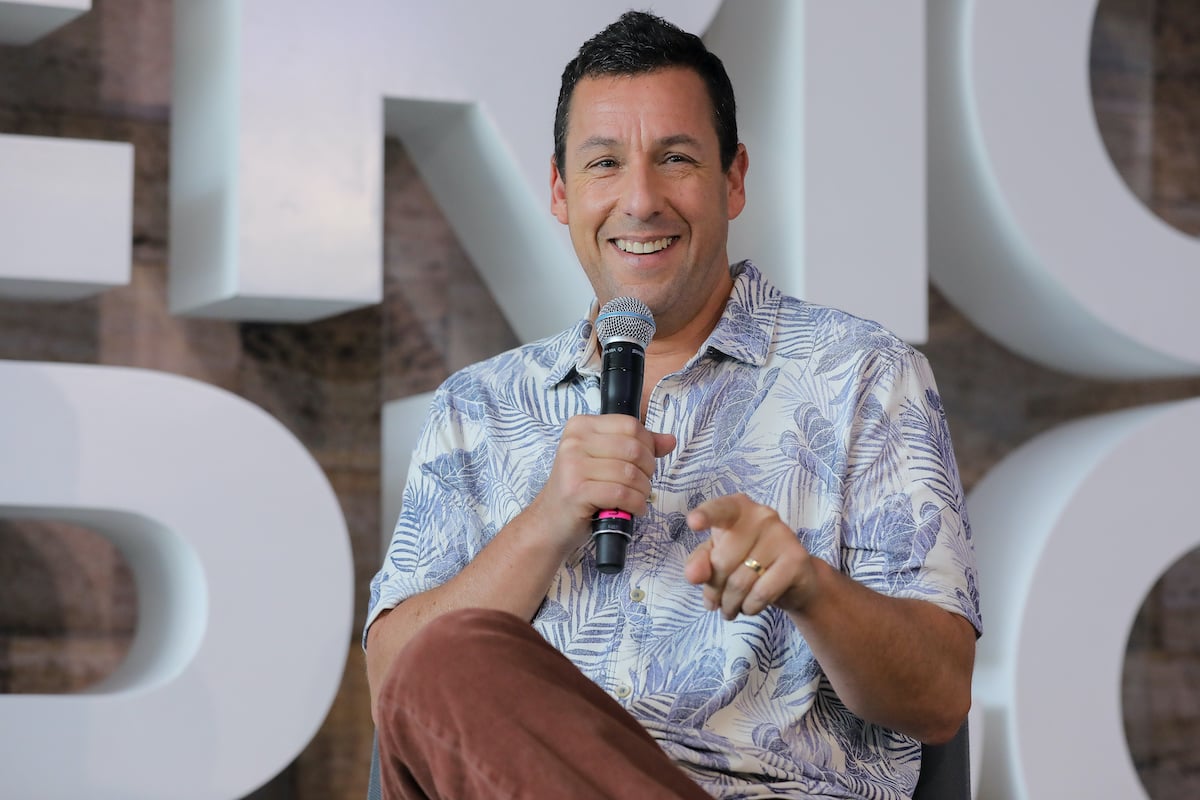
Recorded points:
(645,248)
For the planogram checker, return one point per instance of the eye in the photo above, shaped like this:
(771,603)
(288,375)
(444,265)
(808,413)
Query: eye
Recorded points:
(678,158)
(603,163)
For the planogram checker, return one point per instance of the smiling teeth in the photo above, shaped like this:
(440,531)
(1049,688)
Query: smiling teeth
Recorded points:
(642,248)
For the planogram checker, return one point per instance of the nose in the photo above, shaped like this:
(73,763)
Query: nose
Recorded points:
(642,195)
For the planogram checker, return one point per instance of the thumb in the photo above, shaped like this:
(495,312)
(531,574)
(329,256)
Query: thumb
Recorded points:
(663,443)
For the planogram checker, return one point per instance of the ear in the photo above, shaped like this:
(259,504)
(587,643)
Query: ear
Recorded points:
(558,193)
(735,180)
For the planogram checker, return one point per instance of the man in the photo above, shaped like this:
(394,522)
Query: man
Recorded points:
(797,610)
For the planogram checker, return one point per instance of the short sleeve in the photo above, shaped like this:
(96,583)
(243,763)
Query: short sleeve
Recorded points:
(905,527)
(438,531)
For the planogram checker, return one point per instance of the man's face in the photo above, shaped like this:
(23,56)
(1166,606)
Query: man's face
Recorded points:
(643,193)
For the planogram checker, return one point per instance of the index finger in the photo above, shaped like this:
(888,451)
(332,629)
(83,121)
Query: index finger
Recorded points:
(718,512)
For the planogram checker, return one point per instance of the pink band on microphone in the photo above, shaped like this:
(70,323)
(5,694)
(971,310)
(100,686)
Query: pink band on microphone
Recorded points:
(614,514)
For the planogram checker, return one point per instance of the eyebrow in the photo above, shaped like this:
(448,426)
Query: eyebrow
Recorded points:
(605,142)
(596,142)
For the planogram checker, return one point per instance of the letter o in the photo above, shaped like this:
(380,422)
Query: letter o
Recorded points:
(1032,232)
(1073,529)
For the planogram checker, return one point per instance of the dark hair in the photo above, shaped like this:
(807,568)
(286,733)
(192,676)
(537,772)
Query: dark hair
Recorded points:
(638,43)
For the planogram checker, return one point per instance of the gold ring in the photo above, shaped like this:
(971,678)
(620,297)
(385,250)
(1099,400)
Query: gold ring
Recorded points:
(753,564)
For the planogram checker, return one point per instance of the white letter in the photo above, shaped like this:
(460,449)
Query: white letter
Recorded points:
(244,579)
(66,210)
(1032,232)
(831,106)
(277,147)
(1074,529)
(24,21)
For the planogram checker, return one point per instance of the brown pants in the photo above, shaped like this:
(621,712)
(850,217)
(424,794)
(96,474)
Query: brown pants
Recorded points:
(478,705)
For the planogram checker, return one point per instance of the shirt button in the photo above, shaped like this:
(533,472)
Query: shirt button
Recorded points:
(624,690)
(637,595)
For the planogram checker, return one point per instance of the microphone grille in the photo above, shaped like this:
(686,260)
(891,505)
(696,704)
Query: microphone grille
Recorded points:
(625,319)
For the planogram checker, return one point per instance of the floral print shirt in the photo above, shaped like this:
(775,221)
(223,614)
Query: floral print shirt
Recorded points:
(825,417)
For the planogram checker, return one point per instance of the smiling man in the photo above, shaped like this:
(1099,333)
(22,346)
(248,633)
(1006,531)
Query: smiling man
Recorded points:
(798,608)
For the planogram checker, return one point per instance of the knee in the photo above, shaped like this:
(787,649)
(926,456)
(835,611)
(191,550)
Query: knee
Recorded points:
(449,649)
(469,630)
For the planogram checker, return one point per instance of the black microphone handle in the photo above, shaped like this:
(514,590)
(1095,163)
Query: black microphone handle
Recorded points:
(622,369)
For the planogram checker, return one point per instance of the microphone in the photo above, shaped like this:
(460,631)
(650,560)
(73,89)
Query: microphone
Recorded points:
(624,327)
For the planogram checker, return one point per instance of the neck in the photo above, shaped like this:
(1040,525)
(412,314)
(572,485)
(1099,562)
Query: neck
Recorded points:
(677,341)
(673,347)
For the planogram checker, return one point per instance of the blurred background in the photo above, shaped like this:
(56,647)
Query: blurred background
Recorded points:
(67,600)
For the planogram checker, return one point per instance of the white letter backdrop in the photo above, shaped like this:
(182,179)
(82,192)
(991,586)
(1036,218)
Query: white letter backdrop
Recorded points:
(279,110)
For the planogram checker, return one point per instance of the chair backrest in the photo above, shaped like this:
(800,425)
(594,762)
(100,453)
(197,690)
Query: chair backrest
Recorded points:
(946,769)
(374,789)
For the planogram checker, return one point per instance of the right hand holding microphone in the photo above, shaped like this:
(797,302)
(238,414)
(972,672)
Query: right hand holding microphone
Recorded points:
(604,461)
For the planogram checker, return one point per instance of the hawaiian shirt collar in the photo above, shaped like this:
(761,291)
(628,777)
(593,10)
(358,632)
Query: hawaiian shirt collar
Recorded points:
(745,330)
(743,333)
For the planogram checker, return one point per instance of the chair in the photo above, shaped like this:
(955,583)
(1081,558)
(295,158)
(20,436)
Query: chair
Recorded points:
(374,788)
(945,770)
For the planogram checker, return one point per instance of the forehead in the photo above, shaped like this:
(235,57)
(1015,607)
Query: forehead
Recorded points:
(667,102)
